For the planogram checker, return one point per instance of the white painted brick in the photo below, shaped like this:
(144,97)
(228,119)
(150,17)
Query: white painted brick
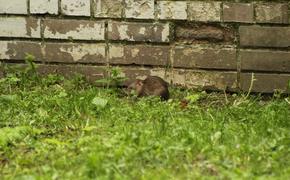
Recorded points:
(74,29)
(44,6)
(172,10)
(108,8)
(139,9)
(76,7)
(132,31)
(13,7)
(19,27)
(74,52)
(204,11)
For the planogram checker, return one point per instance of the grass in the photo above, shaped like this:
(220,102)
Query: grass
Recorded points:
(52,128)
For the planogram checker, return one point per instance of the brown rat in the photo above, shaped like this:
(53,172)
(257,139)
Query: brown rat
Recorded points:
(151,86)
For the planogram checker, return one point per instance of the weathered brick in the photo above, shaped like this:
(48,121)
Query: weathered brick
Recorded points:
(265,83)
(44,6)
(74,52)
(139,54)
(204,33)
(204,58)
(135,73)
(19,27)
(172,10)
(76,7)
(257,36)
(238,12)
(139,9)
(17,50)
(204,11)
(74,29)
(53,52)
(272,13)
(265,60)
(210,80)
(91,73)
(13,7)
(130,31)
(108,8)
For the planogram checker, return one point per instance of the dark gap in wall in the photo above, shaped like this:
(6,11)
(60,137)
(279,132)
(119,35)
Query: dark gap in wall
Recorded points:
(264,72)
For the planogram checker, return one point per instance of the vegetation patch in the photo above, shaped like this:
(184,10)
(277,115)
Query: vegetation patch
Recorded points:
(55,128)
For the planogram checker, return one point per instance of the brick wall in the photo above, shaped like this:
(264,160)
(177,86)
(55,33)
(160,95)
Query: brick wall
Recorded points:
(210,44)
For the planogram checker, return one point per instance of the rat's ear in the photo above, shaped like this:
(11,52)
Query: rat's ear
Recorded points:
(139,82)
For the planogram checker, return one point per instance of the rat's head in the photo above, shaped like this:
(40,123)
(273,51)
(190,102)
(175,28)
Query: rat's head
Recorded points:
(136,86)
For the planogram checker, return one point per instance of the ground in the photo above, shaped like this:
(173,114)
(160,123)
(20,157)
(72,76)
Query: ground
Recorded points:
(52,128)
